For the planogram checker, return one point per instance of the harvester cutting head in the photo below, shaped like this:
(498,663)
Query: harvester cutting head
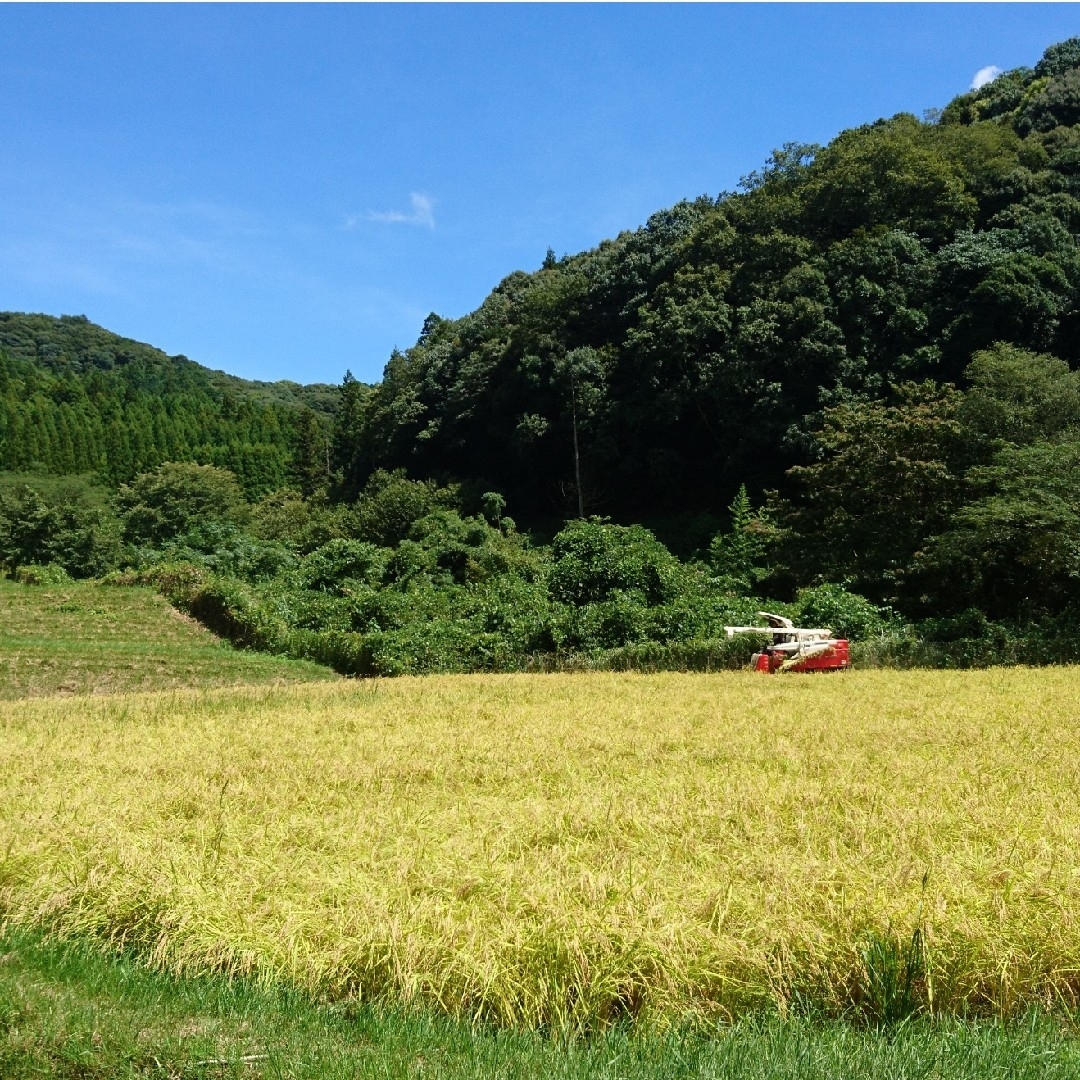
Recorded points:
(795,648)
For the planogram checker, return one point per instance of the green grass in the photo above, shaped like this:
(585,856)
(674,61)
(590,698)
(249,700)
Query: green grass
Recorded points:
(81,638)
(67,1012)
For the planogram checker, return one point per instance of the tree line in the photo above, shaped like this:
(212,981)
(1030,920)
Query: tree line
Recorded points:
(76,399)
(701,351)
(848,390)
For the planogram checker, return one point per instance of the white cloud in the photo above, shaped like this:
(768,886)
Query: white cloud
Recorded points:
(422,213)
(985,75)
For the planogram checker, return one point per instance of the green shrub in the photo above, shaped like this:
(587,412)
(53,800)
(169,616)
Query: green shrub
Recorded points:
(177,582)
(328,567)
(175,498)
(231,609)
(594,561)
(847,614)
(391,503)
(50,574)
(225,549)
(62,523)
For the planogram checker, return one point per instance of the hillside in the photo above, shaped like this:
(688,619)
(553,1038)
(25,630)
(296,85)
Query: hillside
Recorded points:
(701,350)
(75,398)
(851,388)
(79,638)
(73,343)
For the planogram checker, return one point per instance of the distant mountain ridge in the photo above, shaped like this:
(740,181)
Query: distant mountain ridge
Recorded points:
(76,398)
(75,343)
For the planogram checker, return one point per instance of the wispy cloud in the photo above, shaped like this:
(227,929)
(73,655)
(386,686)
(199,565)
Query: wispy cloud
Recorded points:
(985,75)
(422,214)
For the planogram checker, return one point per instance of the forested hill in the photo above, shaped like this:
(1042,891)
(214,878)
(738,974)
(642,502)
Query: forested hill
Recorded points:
(75,398)
(700,351)
(853,389)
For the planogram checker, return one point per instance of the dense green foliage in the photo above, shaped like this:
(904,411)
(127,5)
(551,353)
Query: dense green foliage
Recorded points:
(176,498)
(75,398)
(405,580)
(851,387)
(699,352)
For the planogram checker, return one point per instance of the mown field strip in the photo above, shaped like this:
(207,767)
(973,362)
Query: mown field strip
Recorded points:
(552,849)
(37,645)
(80,637)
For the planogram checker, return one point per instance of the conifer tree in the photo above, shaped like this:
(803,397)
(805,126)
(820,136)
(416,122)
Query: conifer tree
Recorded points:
(736,555)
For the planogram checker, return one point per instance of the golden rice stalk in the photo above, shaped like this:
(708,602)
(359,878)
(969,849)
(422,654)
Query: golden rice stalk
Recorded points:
(565,850)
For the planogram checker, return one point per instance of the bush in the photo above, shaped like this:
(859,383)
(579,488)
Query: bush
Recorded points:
(63,523)
(621,619)
(175,498)
(226,550)
(50,574)
(425,648)
(177,582)
(847,614)
(329,566)
(285,517)
(514,610)
(232,610)
(391,503)
(594,561)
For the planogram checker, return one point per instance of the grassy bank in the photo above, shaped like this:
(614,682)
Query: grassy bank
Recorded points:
(67,1012)
(80,638)
(570,850)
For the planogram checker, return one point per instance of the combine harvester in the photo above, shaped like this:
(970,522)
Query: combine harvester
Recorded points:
(794,648)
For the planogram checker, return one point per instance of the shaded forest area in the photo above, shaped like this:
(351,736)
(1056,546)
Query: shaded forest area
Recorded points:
(850,387)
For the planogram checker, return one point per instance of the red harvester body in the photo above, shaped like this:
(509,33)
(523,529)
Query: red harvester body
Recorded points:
(796,648)
(836,658)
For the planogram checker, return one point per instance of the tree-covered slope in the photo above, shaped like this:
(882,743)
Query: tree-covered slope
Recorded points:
(853,389)
(655,373)
(75,398)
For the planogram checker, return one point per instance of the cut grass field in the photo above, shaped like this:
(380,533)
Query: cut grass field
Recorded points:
(82,638)
(566,852)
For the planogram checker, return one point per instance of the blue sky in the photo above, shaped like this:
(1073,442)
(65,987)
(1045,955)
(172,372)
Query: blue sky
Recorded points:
(286,191)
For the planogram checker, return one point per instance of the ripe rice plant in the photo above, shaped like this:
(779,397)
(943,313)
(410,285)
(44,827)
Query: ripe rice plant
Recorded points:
(566,851)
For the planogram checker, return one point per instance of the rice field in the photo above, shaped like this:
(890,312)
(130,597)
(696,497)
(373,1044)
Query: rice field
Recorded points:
(567,851)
